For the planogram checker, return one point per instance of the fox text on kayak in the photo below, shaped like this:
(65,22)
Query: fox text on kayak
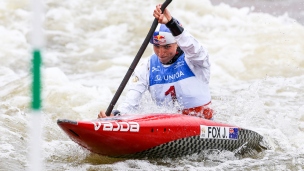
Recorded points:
(216,132)
(117,126)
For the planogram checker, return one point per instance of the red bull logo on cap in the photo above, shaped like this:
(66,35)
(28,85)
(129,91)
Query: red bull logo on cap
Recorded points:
(162,36)
(159,39)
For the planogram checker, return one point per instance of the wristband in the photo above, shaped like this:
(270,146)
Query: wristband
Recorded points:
(175,27)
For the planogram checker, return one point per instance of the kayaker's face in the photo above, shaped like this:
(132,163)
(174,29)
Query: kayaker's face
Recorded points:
(165,52)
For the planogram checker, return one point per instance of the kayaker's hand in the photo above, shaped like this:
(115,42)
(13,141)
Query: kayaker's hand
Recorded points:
(102,114)
(164,17)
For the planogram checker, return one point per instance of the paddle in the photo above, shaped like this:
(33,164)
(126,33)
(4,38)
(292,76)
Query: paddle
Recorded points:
(135,61)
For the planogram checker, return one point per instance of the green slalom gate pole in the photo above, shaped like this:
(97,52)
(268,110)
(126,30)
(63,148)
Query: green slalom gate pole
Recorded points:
(35,126)
(35,162)
(36,84)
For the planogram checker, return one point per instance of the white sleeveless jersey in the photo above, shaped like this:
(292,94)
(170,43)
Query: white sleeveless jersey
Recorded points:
(187,79)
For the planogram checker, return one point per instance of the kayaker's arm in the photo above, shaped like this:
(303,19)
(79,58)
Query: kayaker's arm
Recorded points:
(196,55)
(193,50)
(138,85)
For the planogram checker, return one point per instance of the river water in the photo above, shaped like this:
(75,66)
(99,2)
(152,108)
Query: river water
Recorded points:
(256,51)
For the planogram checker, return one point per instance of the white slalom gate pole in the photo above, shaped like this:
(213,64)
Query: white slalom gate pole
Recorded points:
(35,126)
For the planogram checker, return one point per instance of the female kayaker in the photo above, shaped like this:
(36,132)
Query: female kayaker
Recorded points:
(177,75)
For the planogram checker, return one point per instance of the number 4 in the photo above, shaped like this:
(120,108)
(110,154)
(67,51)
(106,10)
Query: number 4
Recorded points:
(172,92)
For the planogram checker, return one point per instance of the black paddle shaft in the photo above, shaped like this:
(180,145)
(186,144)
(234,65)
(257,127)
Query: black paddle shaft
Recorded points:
(135,61)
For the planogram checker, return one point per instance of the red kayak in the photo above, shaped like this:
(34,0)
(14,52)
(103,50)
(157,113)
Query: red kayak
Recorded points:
(158,135)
